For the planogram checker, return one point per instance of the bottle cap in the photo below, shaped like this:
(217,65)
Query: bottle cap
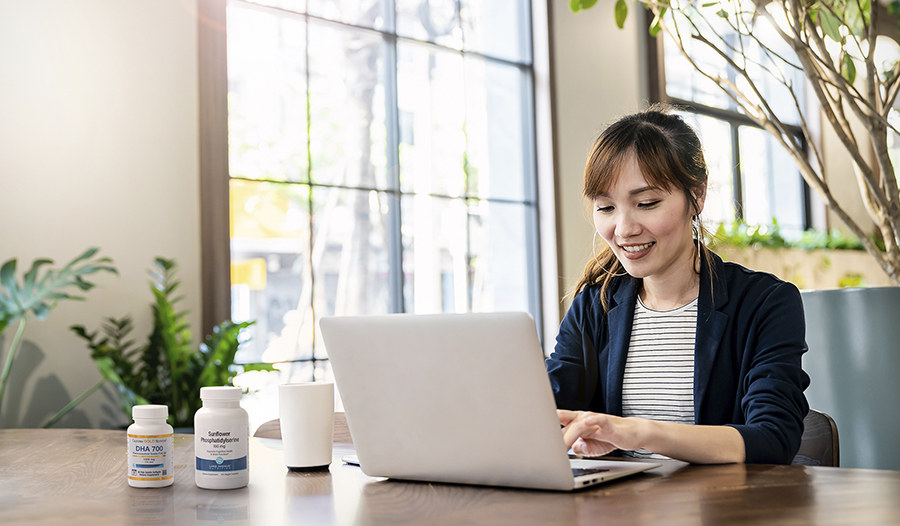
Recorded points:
(220,393)
(150,411)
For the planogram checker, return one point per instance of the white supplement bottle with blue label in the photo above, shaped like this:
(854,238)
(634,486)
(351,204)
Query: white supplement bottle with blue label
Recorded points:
(221,440)
(151,448)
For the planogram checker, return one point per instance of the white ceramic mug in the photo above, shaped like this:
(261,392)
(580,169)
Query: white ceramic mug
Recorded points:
(306,411)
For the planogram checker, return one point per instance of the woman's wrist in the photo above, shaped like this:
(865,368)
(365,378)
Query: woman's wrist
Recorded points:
(646,432)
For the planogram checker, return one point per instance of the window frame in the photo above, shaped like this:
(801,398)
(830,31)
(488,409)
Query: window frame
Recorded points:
(214,171)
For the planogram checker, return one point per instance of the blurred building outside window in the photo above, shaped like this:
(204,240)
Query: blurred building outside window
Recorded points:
(381,159)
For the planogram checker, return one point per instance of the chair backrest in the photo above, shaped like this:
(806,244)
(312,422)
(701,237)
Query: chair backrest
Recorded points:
(819,445)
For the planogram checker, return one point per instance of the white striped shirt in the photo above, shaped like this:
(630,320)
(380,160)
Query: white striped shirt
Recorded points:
(659,370)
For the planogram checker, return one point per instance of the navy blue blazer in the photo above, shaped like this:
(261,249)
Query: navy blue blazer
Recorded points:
(747,371)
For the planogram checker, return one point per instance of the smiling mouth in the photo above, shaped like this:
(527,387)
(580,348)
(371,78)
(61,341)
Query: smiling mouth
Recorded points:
(637,248)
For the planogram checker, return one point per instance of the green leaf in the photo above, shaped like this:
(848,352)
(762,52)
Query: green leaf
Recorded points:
(814,11)
(107,369)
(8,277)
(830,25)
(86,255)
(857,16)
(848,69)
(82,284)
(866,10)
(219,350)
(40,293)
(31,275)
(578,5)
(709,4)
(621,13)
(852,280)
(894,7)
(257,367)
(722,13)
(165,264)
(62,296)
(655,25)
(40,310)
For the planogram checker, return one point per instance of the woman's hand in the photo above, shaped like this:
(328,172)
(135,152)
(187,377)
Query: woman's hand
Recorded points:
(597,434)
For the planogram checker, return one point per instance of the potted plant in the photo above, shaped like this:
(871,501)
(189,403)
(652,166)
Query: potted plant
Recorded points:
(39,293)
(168,369)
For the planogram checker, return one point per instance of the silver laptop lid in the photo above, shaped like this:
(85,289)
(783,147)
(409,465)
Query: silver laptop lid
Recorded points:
(449,398)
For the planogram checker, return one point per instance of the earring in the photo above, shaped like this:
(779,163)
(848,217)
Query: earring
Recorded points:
(594,251)
(695,227)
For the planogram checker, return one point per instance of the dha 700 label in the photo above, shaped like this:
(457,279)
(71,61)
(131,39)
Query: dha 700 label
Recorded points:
(150,457)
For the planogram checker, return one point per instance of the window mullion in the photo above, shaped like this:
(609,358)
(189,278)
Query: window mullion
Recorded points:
(309,201)
(392,117)
(532,238)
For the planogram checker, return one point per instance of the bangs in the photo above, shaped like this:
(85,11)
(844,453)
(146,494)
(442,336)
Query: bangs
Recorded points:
(659,167)
(603,169)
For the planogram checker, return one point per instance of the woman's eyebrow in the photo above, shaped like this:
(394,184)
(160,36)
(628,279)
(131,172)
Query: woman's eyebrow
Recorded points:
(633,192)
(642,190)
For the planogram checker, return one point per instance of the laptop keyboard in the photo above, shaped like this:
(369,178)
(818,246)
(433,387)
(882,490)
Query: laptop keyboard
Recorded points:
(578,472)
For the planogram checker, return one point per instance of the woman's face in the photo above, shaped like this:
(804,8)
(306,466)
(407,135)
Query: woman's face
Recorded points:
(648,229)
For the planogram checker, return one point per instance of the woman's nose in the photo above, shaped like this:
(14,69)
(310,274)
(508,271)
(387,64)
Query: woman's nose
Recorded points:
(626,226)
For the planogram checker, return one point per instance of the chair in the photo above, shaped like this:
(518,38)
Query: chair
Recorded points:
(819,445)
(272,429)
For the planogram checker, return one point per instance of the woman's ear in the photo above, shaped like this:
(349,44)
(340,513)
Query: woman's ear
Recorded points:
(700,198)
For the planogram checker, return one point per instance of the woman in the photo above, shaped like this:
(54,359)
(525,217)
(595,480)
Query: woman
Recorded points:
(666,350)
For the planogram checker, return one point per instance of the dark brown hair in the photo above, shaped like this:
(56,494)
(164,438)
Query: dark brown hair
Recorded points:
(669,156)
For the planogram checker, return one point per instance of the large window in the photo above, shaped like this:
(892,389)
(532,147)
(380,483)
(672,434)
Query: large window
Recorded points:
(752,179)
(381,159)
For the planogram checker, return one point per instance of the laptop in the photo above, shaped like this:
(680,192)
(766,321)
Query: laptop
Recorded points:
(458,398)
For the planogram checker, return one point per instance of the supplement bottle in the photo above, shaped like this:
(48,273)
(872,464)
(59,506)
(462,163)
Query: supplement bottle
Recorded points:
(221,440)
(151,448)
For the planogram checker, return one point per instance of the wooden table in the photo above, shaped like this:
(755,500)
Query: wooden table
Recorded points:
(77,476)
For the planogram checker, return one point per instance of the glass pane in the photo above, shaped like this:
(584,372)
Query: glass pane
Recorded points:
(266,96)
(431,101)
(683,81)
(773,187)
(350,253)
(347,109)
(435,254)
(365,13)
(261,400)
(498,28)
(498,131)
(715,136)
(767,71)
(298,6)
(430,21)
(270,272)
(501,250)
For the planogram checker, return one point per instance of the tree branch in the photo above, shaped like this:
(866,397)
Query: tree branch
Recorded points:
(874,199)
